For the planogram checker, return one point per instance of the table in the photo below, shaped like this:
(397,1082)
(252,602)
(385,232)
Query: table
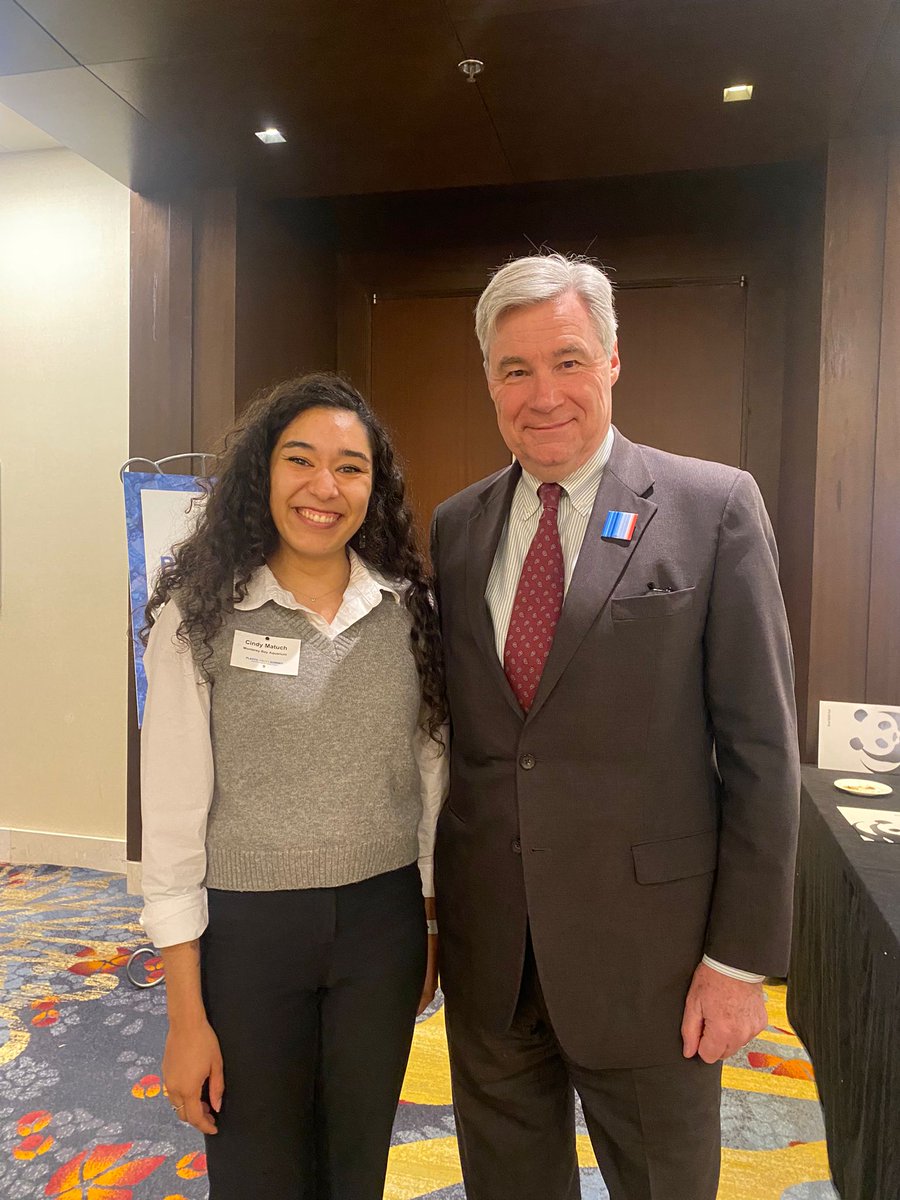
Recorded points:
(844,985)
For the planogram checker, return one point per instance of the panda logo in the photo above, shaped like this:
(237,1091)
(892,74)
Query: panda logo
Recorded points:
(877,741)
(878,829)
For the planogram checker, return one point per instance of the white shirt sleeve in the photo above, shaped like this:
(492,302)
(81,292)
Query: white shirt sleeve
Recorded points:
(434,775)
(176,787)
(732,972)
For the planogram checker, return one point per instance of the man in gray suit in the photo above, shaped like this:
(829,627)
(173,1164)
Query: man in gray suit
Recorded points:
(615,859)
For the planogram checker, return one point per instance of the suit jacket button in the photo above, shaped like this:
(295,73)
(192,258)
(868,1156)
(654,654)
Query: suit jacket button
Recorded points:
(527,761)
(517,847)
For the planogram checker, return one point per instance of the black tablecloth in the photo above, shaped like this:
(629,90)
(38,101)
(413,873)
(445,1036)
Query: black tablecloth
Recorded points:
(844,987)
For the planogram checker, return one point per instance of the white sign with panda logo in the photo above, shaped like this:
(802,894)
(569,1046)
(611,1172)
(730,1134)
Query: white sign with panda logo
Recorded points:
(859,737)
(873,824)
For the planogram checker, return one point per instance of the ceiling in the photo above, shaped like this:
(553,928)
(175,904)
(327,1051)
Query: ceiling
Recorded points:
(17,134)
(163,93)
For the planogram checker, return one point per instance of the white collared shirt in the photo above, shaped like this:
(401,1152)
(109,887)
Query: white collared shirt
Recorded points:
(576,503)
(177,763)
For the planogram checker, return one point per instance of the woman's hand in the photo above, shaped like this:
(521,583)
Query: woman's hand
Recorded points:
(192,1053)
(192,1057)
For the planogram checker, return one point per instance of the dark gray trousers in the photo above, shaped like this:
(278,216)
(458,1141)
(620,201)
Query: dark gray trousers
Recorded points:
(655,1131)
(313,996)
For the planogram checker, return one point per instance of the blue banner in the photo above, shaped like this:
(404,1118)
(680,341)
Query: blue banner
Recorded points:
(159,514)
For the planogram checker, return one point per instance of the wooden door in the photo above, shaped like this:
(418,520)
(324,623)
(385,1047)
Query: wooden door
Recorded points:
(428,385)
(682,383)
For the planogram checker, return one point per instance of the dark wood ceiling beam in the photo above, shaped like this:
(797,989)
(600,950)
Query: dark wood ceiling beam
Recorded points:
(43,82)
(88,117)
(170,94)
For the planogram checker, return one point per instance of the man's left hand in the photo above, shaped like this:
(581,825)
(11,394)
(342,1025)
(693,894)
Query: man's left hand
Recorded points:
(721,1014)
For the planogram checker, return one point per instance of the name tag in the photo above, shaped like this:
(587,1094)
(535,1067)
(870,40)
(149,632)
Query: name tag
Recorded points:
(259,652)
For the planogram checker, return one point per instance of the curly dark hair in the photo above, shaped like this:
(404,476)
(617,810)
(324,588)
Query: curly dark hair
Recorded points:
(235,533)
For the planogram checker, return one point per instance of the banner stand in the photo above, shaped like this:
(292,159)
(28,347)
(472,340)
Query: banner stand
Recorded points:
(160,512)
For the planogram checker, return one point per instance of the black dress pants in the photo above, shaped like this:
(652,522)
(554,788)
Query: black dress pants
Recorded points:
(655,1131)
(313,997)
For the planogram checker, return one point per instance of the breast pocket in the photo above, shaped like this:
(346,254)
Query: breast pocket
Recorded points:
(650,605)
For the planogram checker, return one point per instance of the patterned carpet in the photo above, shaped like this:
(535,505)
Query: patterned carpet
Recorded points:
(83,1115)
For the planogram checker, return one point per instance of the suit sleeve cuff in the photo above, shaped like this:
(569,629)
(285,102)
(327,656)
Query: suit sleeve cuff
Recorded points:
(732,972)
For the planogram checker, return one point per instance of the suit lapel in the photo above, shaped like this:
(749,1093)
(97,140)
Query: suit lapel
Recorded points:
(625,482)
(483,534)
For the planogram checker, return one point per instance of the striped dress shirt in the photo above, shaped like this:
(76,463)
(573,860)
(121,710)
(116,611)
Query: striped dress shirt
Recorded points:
(579,491)
(575,506)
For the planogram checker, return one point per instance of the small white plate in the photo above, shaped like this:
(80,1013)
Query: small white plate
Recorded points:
(863,787)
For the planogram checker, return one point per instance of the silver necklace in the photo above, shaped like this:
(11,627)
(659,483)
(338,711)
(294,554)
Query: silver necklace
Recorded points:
(315,599)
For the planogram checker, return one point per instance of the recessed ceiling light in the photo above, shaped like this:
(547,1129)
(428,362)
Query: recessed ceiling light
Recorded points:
(740,91)
(271,136)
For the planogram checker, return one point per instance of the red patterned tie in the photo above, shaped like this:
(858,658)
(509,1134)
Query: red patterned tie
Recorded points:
(538,603)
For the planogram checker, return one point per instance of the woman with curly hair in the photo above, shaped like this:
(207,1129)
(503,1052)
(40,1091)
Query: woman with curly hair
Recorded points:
(292,770)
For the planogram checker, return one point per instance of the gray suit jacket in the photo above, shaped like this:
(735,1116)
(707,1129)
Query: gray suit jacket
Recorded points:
(644,812)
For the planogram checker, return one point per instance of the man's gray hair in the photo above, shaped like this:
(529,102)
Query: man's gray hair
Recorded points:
(541,277)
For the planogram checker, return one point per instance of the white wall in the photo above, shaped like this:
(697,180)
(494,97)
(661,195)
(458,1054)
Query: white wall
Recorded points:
(64,267)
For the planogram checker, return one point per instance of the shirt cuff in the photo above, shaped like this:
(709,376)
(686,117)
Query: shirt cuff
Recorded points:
(732,972)
(426,870)
(172,920)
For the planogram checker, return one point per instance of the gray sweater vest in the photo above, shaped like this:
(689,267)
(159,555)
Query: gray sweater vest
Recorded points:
(316,783)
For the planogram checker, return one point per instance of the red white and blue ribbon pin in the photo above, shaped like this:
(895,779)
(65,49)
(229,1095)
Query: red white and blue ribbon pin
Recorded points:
(619,526)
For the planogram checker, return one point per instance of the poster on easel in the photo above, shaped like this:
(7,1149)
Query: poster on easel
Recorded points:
(161,511)
(859,737)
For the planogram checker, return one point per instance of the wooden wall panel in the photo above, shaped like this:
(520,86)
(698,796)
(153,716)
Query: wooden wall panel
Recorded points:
(286,317)
(796,508)
(853,271)
(883,659)
(683,368)
(585,214)
(215,268)
(354,324)
(765,357)
(161,319)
